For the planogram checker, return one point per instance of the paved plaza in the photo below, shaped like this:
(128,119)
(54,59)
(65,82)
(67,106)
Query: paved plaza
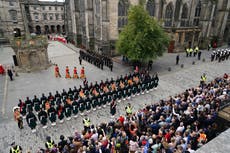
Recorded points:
(36,83)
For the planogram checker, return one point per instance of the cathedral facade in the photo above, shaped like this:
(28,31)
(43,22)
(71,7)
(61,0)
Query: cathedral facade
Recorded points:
(96,24)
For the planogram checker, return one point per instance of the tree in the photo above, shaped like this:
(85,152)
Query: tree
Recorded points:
(142,38)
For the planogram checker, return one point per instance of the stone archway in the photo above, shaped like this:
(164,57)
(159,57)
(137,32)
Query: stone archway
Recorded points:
(63,29)
(47,31)
(17,32)
(52,29)
(38,30)
(31,30)
(58,29)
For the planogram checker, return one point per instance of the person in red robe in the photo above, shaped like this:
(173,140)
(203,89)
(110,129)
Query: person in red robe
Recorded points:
(82,76)
(2,70)
(75,76)
(57,73)
(67,75)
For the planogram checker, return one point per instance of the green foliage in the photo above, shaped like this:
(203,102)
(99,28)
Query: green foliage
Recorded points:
(142,38)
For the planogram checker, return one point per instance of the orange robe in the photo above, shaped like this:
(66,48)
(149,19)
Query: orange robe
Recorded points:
(82,74)
(67,75)
(75,76)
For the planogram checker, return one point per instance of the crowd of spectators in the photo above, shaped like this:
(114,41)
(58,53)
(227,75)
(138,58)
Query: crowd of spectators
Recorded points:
(181,124)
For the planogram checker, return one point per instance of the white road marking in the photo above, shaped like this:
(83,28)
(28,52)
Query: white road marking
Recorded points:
(5,95)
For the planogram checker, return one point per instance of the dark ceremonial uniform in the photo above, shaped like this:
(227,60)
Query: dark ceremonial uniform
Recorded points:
(31,120)
(52,115)
(29,104)
(60,112)
(42,116)
(75,107)
(36,103)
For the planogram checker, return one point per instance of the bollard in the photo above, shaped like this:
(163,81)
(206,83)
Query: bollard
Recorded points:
(182,65)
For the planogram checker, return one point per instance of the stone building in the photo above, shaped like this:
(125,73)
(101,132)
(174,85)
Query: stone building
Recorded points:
(11,21)
(42,17)
(45,17)
(96,24)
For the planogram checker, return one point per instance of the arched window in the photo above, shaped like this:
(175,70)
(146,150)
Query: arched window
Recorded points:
(151,7)
(13,15)
(168,15)
(184,16)
(198,9)
(123,7)
(224,4)
(177,10)
(197,14)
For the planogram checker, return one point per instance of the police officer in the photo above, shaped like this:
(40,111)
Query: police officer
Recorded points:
(31,121)
(42,116)
(203,79)
(15,148)
(128,109)
(86,123)
(196,50)
(50,143)
(187,52)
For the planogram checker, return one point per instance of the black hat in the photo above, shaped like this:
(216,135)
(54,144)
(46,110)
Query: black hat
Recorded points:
(12,144)
(62,137)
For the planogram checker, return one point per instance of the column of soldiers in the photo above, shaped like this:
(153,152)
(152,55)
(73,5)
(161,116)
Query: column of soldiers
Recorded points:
(220,55)
(83,99)
(193,52)
(96,59)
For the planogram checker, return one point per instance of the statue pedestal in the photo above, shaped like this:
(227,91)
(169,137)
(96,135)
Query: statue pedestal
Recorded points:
(31,54)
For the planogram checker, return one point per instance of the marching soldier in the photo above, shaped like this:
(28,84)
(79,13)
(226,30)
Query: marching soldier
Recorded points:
(29,104)
(52,116)
(82,108)
(36,103)
(67,74)
(86,123)
(42,116)
(75,106)
(156,80)
(68,109)
(31,121)
(60,113)
(43,100)
(15,148)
